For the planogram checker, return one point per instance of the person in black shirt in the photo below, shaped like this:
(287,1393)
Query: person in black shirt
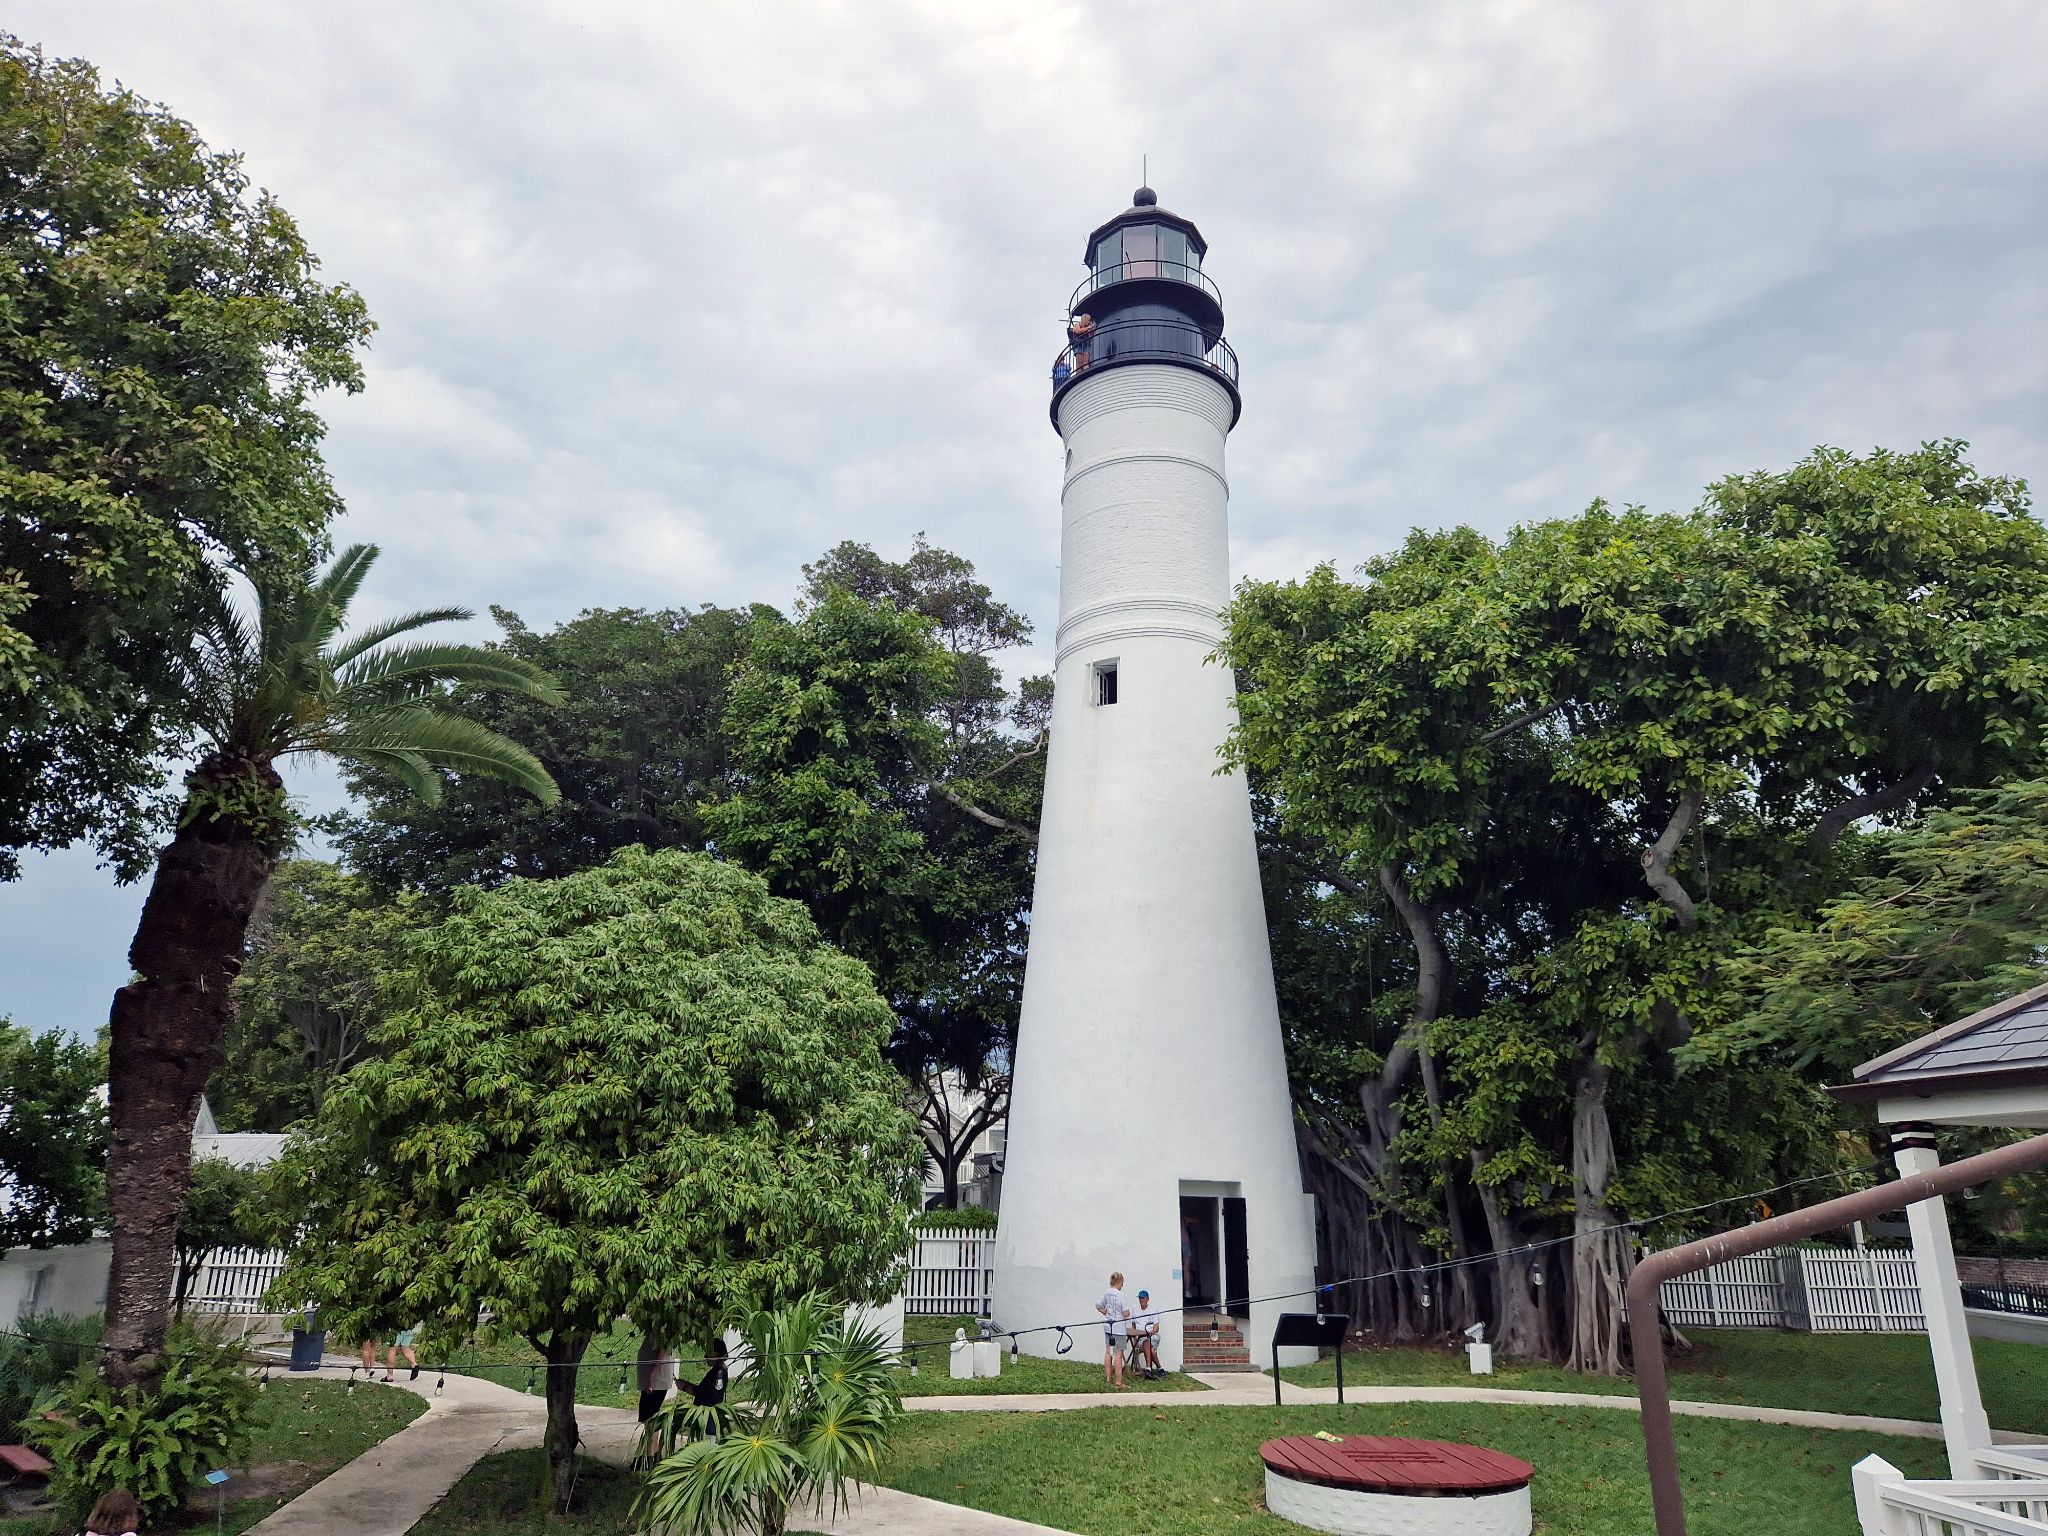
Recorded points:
(708,1391)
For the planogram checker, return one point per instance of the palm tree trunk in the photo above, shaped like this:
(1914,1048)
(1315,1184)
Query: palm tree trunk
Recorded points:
(169,1026)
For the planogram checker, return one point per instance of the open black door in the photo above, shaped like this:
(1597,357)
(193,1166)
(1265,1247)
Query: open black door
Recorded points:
(1237,1259)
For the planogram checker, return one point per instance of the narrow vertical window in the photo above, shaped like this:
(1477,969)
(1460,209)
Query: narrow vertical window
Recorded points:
(1105,682)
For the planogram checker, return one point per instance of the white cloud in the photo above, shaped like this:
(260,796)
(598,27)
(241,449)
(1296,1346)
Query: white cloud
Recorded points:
(671,298)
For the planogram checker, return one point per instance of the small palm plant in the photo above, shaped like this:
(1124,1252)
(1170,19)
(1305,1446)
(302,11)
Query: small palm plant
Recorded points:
(277,682)
(808,1413)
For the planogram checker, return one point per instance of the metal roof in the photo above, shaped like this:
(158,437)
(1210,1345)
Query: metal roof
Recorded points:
(2003,1045)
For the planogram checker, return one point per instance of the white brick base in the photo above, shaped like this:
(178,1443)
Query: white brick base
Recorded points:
(1348,1512)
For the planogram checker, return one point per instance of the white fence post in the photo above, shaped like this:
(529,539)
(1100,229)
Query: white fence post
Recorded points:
(1869,1477)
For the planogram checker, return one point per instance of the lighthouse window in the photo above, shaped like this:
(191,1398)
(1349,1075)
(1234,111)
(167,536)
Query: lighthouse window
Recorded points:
(1109,250)
(1173,250)
(1105,682)
(1141,251)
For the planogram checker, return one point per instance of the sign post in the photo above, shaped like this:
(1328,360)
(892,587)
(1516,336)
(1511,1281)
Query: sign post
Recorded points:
(1320,1330)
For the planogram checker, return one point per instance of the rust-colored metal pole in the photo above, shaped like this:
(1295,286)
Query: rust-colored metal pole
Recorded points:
(1652,1387)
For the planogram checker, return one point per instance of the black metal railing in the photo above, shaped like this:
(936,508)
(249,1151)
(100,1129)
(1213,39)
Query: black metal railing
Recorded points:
(1133,271)
(1130,341)
(2028,1300)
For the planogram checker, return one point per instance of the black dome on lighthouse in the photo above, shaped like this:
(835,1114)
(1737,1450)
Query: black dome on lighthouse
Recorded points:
(1144,197)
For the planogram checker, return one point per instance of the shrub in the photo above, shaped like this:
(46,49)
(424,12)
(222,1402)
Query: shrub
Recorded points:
(969,1218)
(154,1442)
(37,1358)
(809,1411)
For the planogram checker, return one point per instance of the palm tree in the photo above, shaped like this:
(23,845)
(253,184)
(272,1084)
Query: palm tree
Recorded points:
(263,686)
(809,1412)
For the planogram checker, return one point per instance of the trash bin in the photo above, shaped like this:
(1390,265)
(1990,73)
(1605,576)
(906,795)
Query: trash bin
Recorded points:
(307,1347)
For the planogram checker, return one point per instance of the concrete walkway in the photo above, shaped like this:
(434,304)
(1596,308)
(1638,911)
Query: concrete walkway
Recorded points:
(1239,1389)
(388,1489)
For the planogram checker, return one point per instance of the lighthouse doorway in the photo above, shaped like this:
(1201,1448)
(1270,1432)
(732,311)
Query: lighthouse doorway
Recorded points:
(1214,1252)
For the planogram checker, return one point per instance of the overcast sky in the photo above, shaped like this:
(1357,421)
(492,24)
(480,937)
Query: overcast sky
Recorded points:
(673,297)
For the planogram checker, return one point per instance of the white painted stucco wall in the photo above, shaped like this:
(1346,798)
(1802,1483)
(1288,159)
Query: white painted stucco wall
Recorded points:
(70,1281)
(1149,1051)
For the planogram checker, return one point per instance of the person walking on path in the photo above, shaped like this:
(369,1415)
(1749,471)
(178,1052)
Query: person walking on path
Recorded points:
(1114,1310)
(656,1369)
(116,1514)
(369,1354)
(401,1343)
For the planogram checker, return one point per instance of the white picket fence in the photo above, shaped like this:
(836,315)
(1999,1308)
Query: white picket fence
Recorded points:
(233,1280)
(1812,1290)
(951,1273)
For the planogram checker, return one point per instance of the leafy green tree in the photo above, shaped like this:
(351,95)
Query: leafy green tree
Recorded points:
(647,1089)
(637,743)
(322,946)
(163,332)
(263,686)
(930,817)
(1951,917)
(217,1214)
(1582,766)
(53,1137)
(809,1412)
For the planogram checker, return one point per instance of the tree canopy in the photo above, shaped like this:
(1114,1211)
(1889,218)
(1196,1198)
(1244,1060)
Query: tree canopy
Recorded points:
(163,331)
(1577,768)
(53,1137)
(322,947)
(636,743)
(647,1089)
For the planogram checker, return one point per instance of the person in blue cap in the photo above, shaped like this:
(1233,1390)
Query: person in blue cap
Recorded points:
(1144,1327)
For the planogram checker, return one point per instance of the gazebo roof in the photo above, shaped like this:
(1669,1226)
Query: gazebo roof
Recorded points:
(1988,1069)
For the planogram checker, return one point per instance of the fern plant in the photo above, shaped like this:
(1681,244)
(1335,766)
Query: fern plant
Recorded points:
(156,1442)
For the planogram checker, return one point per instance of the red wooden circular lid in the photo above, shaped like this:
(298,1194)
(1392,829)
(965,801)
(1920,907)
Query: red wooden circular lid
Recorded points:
(1385,1464)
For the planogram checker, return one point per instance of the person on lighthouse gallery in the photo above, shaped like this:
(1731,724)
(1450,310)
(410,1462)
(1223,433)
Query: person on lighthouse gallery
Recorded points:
(1114,1310)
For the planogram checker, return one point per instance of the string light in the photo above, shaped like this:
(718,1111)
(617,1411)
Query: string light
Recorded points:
(1015,1352)
(531,1372)
(440,1381)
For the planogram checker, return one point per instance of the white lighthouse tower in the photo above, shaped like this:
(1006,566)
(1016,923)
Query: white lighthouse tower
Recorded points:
(1150,1131)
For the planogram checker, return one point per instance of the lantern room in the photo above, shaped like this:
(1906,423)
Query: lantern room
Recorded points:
(1145,299)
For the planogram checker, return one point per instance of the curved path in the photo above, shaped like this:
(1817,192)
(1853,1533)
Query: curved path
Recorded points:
(389,1488)
(1246,1390)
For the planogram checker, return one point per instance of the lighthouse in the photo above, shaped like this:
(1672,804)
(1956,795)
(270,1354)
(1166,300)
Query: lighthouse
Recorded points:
(1151,1131)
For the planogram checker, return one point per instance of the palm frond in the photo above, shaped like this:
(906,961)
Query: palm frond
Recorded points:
(409,768)
(443,740)
(316,613)
(391,629)
(379,675)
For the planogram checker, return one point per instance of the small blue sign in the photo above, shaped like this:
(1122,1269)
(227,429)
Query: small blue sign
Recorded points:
(216,1478)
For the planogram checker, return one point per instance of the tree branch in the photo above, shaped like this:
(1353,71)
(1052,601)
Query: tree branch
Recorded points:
(1840,818)
(1657,858)
(986,818)
(1336,879)
(1522,721)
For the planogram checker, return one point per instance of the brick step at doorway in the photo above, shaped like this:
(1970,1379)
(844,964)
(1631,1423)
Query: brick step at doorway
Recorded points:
(1214,1349)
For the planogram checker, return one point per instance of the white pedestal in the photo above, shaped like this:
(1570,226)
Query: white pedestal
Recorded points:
(1348,1512)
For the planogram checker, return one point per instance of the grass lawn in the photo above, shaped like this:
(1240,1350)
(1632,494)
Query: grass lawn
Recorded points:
(1079,1372)
(1889,1375)
(304,1430)
(512,1363)
(1189,1471)
(499,1497)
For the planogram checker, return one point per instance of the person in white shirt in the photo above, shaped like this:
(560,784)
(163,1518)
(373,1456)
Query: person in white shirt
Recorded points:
(1144,1327)
(1114,1310)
